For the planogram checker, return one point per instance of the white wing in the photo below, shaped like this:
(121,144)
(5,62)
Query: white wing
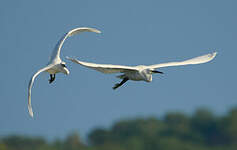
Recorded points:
(104,68)
(196,60)
(57,49)
(30,86)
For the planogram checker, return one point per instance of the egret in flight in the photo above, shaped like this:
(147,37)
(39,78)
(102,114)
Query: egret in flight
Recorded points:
(55,64)
(141,72)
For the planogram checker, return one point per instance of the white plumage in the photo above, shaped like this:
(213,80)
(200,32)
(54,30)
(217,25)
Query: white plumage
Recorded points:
(55,64)
(141,72)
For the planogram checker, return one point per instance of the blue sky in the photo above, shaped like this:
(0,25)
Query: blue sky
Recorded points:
(133,32)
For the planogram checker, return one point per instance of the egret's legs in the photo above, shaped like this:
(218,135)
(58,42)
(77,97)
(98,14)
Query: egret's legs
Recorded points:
(121,83)
(52,78)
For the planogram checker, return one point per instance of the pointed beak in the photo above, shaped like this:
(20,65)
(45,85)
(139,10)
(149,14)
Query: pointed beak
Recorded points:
(155,71)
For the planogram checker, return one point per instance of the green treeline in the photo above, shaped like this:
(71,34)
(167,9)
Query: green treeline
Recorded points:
(175,131)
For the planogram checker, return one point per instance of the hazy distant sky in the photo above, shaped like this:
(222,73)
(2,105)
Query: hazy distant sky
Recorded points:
(133,32)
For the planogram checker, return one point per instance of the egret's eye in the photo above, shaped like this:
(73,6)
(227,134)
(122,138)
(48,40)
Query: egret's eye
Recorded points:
(63,65)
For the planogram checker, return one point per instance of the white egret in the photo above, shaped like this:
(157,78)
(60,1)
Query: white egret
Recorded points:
(55,64)
(141,72)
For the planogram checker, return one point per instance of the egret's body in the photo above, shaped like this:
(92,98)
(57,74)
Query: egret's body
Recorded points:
(141,72)
(56,65)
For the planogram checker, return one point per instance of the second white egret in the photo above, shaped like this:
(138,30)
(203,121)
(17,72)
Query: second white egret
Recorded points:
(141,72)
(55,64)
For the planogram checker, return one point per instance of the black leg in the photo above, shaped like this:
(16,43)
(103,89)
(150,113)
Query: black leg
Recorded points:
(52,78)
(121,83)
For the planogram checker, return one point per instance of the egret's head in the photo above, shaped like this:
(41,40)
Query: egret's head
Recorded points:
(64,68)
(147,73)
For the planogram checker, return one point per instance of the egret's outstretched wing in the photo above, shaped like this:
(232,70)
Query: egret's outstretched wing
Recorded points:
(104,68)
(196,60)
(57,49)
(30,86)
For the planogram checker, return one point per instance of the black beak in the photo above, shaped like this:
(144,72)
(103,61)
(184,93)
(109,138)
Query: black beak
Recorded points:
(155,71)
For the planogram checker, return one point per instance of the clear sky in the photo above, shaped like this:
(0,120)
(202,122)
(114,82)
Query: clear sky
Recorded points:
(133,32)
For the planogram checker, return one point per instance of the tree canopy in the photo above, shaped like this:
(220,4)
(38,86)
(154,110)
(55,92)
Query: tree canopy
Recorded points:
(175,131)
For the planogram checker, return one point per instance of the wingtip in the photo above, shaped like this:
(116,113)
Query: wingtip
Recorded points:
(213,55)
(32,115)
(96,31)
(31,112)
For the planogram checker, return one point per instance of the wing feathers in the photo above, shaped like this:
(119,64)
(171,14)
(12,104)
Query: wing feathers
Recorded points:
(30,86)
(104,68)
(196,60)
(57,49)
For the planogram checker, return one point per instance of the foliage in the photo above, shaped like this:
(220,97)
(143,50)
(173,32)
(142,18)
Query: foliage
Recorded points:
(200,131)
